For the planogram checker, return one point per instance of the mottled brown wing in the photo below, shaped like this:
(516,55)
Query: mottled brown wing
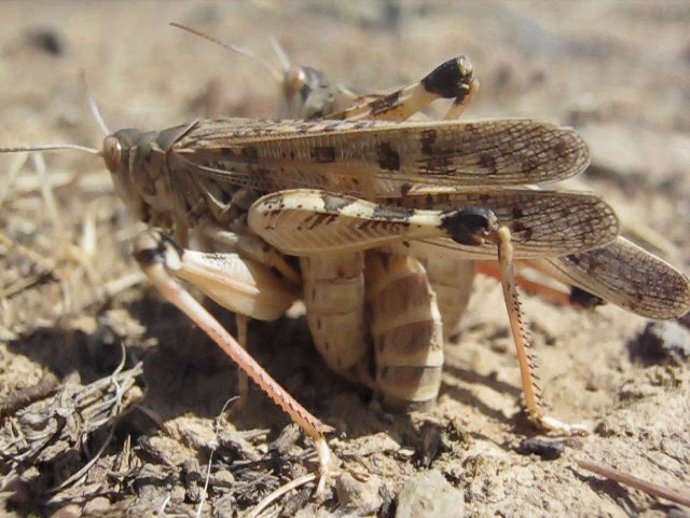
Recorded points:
(628,276)
(375,159)
(542,223)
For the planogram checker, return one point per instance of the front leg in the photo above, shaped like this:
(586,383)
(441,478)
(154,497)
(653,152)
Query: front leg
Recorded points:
(242,286)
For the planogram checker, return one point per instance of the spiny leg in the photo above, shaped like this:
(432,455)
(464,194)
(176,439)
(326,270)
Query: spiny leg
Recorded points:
(450,80)
(526,359)
(161,261)
(242,378)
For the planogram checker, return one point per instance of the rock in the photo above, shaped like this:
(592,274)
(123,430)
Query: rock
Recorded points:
(662,341)
(96,506)
(547,450)
(429,495)
(371,444)
(429,445)
(363,496)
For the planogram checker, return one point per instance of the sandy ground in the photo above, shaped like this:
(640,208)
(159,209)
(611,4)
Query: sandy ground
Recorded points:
(619,72)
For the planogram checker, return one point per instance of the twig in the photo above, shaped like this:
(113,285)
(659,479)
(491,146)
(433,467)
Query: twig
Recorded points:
(637,483)
(24,397)
(86,467)
(115,408)
(282,490)
(204,496)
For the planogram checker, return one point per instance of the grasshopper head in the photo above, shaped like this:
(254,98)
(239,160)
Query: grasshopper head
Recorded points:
(307,94)
(137,165)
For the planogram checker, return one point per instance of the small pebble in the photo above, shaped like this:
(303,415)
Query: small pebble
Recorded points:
(547,450)
(661,341)
(429,495)
(46,39)
(355,494)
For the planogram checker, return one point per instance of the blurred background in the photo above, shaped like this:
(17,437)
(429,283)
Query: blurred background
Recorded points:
(617,71)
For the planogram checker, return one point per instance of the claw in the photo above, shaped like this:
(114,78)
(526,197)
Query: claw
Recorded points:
(554,425)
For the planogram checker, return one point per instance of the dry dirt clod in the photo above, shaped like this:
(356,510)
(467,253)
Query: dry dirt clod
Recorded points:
(429,445)
(429,495)
(46,39)
(365,496)
(15,401)
(546,450)
(97,506)
(665,341)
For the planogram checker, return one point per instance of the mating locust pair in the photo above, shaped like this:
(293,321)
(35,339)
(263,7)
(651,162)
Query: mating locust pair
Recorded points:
(378,224)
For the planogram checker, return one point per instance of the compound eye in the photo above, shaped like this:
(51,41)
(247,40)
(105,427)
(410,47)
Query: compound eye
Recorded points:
(295,79)
(112,153)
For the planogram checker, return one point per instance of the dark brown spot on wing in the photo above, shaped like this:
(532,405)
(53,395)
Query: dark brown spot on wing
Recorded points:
(529,164)
(561,148)
(428,137)
(436,165)
(524,232)
(488,162)
(388,158)
(249,153)
(323,154)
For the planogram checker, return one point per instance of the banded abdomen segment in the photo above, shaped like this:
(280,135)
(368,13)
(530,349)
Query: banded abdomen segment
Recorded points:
(406,328)
(451,278)
(334,298)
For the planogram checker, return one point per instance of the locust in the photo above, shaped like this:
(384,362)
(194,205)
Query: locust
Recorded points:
(375,222)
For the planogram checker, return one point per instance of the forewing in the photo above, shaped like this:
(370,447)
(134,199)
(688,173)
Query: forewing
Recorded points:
(542,223)
(630,277)
(374,159)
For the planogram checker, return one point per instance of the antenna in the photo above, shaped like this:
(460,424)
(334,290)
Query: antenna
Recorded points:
(280,52)
(277,74)
(95,112)
(50,147)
